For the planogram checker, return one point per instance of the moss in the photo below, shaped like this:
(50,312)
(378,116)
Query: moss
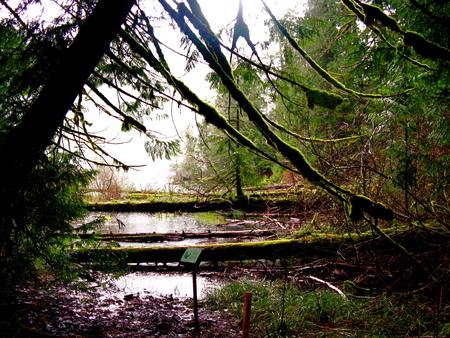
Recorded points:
(373,14)
(425,48)
(319,245)
(361,204)
(323,99)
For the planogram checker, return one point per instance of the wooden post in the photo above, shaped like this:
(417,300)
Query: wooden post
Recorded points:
(247,311)
(194,282)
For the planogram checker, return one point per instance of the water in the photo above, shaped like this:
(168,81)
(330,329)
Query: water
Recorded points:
(178,284)
(180,243)
(145,222)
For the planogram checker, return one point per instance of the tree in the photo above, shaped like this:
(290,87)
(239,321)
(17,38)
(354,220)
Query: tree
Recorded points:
(344,76)
(43,118)
(109,183)
(213,163)
(40,194)
(391,162)
(36,228)
(213,160)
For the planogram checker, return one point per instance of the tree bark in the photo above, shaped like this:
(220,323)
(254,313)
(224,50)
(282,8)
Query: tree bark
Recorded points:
(26,143)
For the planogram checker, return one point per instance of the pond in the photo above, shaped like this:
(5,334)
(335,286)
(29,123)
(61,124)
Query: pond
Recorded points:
(164,223)
(146,222)
(178,284)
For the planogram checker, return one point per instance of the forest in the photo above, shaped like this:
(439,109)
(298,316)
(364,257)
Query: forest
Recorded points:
(332,113)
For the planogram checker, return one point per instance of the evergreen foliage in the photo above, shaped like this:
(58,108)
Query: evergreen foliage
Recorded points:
(351,95)
(36,231)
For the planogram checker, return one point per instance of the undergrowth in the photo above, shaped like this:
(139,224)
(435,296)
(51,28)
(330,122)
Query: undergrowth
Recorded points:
(283,308)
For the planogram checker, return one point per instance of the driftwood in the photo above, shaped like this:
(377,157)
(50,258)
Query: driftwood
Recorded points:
(170,237)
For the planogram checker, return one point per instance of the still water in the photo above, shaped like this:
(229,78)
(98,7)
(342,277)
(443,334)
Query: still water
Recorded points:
(145,222)
(177,284)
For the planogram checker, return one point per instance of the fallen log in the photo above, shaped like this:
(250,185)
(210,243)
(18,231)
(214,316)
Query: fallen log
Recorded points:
(309,248)
(152,238)
(268,250)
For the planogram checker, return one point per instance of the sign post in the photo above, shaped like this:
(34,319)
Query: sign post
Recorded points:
(191,258)
(247,311)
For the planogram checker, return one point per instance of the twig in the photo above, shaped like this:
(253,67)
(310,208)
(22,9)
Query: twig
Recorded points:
(274,221)
(329,285)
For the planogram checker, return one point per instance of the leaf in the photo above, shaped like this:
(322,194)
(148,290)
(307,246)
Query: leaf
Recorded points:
(158,149)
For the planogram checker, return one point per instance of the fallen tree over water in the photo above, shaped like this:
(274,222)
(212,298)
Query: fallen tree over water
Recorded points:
(249,204)
(308,248)
(270,250)
(172,237)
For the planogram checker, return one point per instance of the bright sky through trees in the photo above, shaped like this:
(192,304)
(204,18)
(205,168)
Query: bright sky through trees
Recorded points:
(129,147)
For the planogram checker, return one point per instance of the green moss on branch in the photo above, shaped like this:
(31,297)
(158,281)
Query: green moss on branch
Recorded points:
(425,48)
(323,98)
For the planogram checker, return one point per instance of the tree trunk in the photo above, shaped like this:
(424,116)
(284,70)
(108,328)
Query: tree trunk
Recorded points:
(237,158)
(26,143)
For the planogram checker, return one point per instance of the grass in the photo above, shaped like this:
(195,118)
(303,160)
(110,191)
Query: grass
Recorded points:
(287,309)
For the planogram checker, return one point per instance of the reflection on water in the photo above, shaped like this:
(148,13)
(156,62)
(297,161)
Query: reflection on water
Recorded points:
(145,222)
(157,283)
(163,223)
(181,243)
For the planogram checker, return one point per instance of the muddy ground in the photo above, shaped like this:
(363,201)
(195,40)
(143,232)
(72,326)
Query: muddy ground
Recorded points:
(58,311)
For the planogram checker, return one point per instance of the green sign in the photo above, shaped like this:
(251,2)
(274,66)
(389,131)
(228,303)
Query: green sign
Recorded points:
(191,256)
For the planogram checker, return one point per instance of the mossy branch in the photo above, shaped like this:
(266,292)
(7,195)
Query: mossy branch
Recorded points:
(425,48)
(210,114)
(292,154)
(317,68)
(349,139)
(268,71)
(371,14)
(400,248)
(128,121)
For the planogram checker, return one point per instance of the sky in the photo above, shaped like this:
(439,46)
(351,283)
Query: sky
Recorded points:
(155,175)
(129,146)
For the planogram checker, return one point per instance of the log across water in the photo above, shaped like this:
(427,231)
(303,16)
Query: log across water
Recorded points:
(154,237)
(269,250)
